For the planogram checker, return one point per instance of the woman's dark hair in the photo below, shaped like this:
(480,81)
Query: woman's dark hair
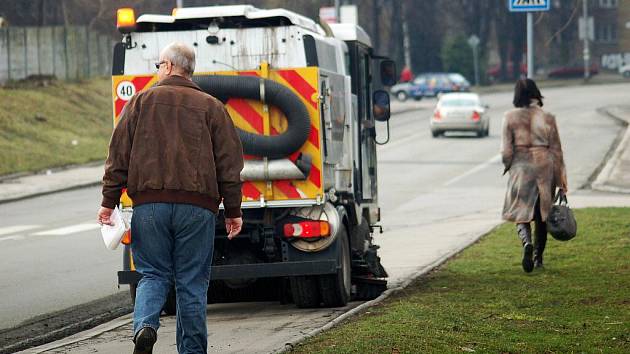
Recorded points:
(524,91)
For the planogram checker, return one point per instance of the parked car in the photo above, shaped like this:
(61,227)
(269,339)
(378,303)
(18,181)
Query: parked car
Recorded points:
(460,112)
(575,70)
(433,84)
(402,91)
(625,70)
(430,85)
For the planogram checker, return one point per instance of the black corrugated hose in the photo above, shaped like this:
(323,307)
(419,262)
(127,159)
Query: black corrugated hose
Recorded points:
(249,87)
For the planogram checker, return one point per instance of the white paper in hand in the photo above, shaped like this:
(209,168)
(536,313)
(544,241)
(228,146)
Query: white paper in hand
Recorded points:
(113,234)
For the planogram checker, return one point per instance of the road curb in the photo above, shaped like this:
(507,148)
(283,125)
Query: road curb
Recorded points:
(119,322)
(421,271)
(50,191)
(40,187)
(600,183)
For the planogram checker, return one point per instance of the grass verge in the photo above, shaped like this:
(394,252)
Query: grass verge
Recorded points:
(481,301)
(53,126)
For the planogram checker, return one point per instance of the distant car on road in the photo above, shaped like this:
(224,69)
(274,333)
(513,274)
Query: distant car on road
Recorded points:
(460,112)
(402,91)
(433,84)
(625,70)
(430,85)
(567,71)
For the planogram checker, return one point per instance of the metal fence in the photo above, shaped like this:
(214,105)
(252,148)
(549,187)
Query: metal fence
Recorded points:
(65,52)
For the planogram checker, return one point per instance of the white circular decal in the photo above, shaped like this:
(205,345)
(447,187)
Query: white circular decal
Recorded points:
(125,90)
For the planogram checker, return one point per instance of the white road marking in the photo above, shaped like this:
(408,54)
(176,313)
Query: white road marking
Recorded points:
(401,141)
(9,238)
(475,169)
(16,228)
(69,230)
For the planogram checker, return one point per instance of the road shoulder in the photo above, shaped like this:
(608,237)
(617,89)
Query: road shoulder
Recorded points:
(615,174)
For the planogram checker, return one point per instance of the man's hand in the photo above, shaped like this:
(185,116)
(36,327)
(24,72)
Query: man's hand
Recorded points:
(103,216)
(233,226)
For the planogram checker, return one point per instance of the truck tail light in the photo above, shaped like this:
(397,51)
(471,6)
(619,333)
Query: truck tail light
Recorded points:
(307,229)
(475,116)
(437,115)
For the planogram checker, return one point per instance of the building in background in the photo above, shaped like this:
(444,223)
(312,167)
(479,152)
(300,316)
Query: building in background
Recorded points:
(605,45)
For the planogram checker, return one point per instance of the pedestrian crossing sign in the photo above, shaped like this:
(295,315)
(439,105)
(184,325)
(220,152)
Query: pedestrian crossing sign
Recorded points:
(529,5)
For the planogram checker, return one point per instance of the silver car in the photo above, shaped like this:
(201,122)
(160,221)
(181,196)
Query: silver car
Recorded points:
(460,112)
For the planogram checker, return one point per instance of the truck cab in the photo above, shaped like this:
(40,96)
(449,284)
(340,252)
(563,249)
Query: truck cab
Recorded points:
(303,98)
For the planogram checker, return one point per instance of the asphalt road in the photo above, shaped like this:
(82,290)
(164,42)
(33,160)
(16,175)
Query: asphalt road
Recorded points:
(434,192)
(52,256)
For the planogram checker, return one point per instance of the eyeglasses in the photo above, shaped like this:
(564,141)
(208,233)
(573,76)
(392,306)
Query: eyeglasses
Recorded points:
(158,64)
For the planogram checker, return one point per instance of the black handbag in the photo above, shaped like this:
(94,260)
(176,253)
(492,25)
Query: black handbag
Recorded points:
(561,222)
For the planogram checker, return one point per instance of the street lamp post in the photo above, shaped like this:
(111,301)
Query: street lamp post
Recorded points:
(586,52)
(406,40)
(473,42)
(529,6)
(530,45)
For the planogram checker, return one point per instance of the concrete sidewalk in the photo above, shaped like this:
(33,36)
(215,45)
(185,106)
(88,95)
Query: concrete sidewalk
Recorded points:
(50,181)
(615,175)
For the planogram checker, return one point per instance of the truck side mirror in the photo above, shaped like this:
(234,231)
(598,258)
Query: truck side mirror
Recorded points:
(380,106)
(388,72)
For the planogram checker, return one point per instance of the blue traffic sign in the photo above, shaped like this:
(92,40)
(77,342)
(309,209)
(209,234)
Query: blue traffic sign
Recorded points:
(529,5)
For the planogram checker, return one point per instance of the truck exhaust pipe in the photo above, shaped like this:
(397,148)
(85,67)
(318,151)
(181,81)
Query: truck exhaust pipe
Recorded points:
(271,170)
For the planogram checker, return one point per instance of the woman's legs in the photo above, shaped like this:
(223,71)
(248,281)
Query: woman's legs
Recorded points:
(524,231)
(540,237)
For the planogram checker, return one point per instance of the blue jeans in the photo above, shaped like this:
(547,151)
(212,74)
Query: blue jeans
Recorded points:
(173,244)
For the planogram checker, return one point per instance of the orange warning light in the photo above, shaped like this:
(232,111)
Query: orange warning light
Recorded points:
(125,20)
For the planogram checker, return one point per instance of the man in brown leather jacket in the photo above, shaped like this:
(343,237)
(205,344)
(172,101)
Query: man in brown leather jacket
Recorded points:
(177,152)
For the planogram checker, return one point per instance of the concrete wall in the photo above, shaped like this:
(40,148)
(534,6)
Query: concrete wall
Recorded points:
(67,53)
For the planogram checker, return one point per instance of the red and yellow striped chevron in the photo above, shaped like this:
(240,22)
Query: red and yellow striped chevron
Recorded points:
(140,83)
(252,116)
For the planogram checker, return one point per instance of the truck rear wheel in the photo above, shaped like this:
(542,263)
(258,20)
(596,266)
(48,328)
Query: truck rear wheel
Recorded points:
(335,289)
(305,291)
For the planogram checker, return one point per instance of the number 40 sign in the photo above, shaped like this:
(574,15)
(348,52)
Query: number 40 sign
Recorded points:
(125,90)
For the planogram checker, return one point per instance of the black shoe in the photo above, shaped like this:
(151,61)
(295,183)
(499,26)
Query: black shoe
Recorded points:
(528,252)
(538,256)
(145,339)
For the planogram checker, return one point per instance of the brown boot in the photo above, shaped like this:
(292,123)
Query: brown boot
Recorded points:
(524,232)
(540,243)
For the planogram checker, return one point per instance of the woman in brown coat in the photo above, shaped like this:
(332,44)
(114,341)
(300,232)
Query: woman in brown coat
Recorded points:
(532,154)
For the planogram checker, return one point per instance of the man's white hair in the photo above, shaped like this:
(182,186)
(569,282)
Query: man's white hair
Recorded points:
(181,55)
